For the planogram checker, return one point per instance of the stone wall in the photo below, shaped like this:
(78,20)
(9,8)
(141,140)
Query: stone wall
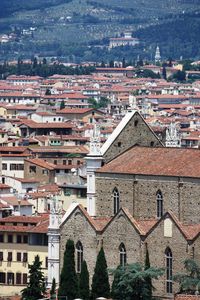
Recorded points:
(138,195)
(136,132)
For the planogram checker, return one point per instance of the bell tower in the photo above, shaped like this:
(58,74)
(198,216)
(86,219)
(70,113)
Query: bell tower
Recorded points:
(55,220)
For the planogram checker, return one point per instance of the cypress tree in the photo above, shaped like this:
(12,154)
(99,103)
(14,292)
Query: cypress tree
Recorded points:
(36,285)
(84,289)
(100,282)
(62,104)
(148,282)
(53,289)
(68,279)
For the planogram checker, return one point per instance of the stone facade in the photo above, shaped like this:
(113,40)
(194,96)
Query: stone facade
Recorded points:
(136,132)
(136,223)
(138,195)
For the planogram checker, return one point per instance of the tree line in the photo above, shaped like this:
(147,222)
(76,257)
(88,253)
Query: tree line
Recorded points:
(42,69)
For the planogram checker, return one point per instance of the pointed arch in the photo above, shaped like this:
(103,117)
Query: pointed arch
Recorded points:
(122,255)
(116,200)
(169,270)
(159,200)
(79,256)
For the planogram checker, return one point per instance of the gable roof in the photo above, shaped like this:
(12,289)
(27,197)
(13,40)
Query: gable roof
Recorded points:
(163,161)
(119,129)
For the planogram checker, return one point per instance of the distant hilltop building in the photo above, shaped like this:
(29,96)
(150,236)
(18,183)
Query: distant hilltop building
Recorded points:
(126,40)
(157,55)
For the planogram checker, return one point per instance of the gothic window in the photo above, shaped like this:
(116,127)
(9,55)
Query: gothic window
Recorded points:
(122,254)
(168,263)
(79,256)
(116,200)
(159,198)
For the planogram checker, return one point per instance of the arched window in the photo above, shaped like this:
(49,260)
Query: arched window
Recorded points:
(79,256)
(169,268)
(116,200)
(159,198)
(122,254)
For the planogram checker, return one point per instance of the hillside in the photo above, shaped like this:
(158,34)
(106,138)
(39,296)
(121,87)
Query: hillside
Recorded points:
(80,29)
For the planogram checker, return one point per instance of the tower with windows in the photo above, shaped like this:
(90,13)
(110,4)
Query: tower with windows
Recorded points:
(54,240)
(157,55)
(94,161)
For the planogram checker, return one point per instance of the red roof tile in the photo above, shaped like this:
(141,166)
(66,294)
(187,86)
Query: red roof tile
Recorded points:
(156,161)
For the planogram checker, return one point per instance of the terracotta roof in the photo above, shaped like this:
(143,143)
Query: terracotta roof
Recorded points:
(156,161)
(75,110)
(41,163)
(32,124)
(187,297)
(12,200)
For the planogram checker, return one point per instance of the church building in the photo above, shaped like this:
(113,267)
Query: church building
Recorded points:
(140,195)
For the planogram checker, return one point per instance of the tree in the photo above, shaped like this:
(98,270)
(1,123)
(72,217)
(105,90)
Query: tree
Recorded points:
(68,279)
(130,281)
(179,76)
(148,282)
(100,282)
(190,280)
(62,104)
(36,284)
(164,72)
(84,289)
(53,289)
(48,92)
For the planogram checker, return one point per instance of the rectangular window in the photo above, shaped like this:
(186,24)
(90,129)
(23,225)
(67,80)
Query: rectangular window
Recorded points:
(45,172)
(55,162)
(64,162)
(10,278)
(1,238)
(32,169)
(4,166)
(2,277)
(16,167)
(25,257)
(10,238)
(19,256)
(24,278)
(9,256)
(25,239)
(19,239)
(18,278)
(1,256)
(69,162)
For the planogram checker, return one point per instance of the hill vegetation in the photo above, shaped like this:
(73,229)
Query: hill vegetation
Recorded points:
(79,30)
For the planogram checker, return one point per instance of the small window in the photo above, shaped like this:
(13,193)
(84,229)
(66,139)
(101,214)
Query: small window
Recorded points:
(32,169)
(122,254)
(10,278)
(9,256)
(2,277)
(69,162)
(64,162)
(79,256)
(45,172)
(18,278)
(169,270)
(25,238)
(1,238)
(152,144)
(24,278)
(19,256)
(55,162)
(10,238)
(159,198)
(119,144)
(116,200)
(25,257)
(1,256)
(19,239)
(4,166)
(136,123)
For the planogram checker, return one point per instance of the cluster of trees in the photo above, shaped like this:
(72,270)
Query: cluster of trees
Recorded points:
(102,103)
(42,69)
(131,281)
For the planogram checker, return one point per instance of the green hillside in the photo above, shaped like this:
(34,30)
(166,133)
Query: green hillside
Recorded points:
(80,29)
